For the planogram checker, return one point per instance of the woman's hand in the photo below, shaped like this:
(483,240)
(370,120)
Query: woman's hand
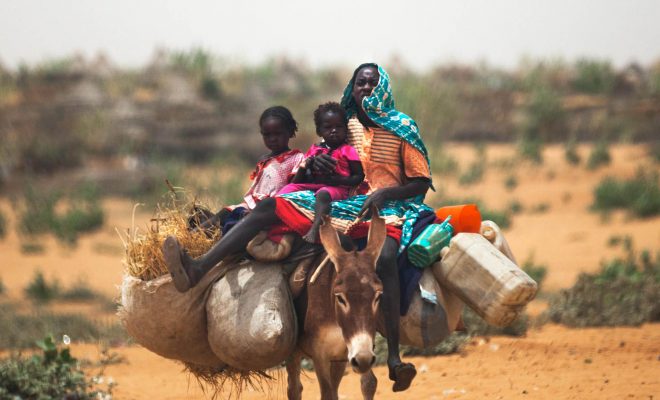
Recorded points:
(377,199)
(324,164)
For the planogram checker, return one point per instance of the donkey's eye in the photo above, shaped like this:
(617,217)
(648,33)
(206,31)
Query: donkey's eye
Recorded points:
(340,298)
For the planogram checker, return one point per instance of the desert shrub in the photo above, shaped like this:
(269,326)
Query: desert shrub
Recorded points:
(453,344)
(540,208)
(210,88)
(3,225)
(535,271)
(531,148)
(40,290)
(654,151)
(32,248)
(570,151)
(515,207)
(476,170)
(600,155)
(21,330)
(80,291)
(83,212)
(543,121)
(473,174)
(477,326)
(53,374)
(640,194)
(2,287)
(593,76)
(511,182)
(624,292)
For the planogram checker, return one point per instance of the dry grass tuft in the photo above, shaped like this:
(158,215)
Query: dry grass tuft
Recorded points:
(144,258)
(228,380)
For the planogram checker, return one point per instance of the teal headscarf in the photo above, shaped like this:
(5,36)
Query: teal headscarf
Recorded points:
(379,107)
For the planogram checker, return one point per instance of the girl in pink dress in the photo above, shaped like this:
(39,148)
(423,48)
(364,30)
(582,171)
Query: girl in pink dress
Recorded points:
(330,120)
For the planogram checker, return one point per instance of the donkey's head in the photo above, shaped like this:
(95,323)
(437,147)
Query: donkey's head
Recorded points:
(357,291)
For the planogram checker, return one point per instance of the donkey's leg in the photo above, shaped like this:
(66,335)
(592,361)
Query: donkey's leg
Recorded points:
(401,373)
(368,384)
(329,374)
(294,386)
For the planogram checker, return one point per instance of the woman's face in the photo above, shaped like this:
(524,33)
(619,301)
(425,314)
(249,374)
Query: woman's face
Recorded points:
(365,82)
(332,128)
(275,134)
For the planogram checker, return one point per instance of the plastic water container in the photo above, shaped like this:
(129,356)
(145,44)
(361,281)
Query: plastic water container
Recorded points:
(484,278)
(426,247)
(464,217)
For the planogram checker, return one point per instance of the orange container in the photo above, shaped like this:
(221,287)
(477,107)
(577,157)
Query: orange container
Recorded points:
(464,217)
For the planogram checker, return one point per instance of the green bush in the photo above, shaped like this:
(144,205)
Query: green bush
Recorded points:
(624,292)
(2,287)
(515,207)
(21,330)
(594,76)
(511,182)
(53,374)
(80,291)
(476,170)
(531,148)
(32,248)
(600,155)
(40,290)
(477,326)
(3,225)
(83,212)
(570,151)
(640,195)
(535,271)
(451,345)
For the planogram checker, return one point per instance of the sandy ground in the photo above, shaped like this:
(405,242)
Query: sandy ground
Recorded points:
(554,362)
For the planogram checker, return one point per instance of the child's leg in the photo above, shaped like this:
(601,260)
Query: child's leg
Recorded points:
(321,209)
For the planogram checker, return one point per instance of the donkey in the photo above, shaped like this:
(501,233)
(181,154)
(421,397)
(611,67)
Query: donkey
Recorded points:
(339,314)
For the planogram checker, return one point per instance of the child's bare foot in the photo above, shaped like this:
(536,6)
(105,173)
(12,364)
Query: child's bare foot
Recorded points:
(312,236)
(182,275)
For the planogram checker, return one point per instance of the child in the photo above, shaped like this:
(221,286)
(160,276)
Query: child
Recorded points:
(273,171)
(330,120)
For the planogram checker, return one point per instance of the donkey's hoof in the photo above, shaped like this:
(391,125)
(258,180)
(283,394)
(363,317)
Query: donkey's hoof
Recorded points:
(403,375)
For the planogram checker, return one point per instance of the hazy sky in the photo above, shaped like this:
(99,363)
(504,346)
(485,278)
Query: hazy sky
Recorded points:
(336,32)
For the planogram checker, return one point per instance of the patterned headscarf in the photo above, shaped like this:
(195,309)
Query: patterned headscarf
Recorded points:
(379,107)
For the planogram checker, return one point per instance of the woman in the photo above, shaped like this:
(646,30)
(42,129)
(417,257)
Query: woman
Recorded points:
(397,170)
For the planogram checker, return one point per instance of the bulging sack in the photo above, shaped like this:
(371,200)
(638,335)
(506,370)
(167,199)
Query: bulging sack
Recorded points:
(169,323)
(433,314)
(250,315)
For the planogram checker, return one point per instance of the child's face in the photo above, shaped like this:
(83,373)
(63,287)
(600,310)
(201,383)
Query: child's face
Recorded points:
(275,134)
(332,128)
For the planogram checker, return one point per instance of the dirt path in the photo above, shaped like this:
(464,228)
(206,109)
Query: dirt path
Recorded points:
(551,363)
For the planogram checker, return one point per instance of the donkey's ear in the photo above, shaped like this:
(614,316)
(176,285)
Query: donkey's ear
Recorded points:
(376,237)
(330,241)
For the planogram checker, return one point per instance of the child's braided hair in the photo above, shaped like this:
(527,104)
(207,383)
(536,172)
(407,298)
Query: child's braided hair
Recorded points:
(283,114)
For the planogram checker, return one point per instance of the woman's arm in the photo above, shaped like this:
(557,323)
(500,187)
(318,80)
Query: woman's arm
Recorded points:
(415,187)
